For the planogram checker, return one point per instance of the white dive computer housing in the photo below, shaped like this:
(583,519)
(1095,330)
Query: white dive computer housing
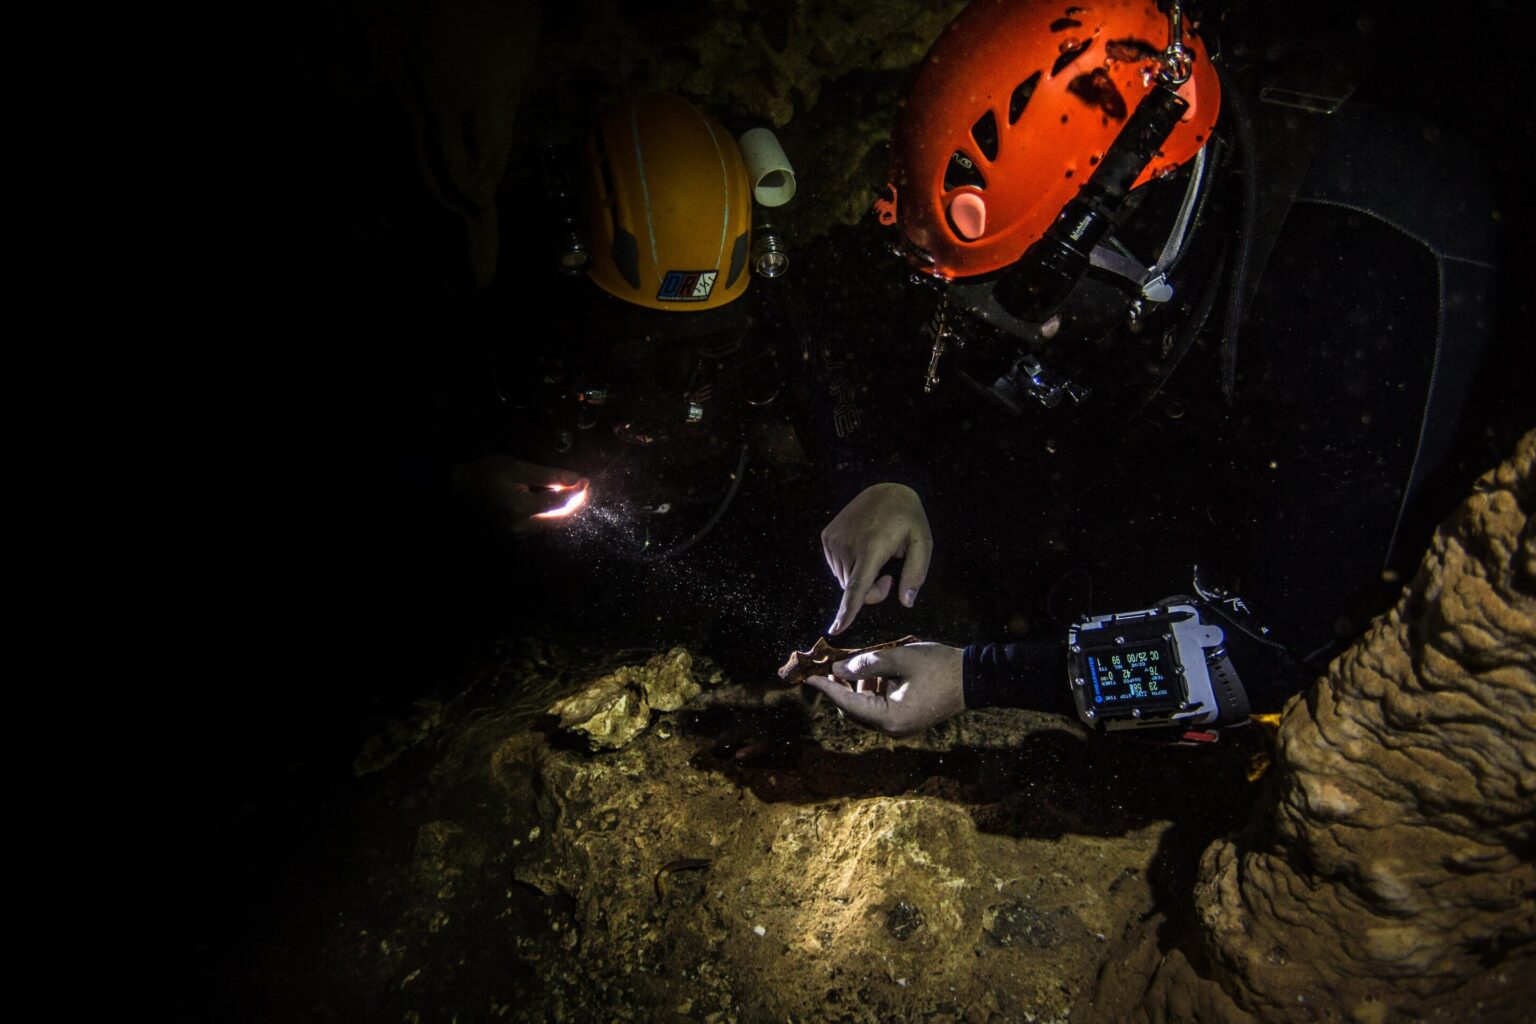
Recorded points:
(1153,669)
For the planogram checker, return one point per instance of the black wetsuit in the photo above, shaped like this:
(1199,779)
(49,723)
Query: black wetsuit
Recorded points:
(1312,493)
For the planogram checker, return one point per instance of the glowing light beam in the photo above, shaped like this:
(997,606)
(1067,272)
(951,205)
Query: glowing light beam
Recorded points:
(577,499)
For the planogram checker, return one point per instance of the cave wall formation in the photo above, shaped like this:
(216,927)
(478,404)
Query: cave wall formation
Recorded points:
(1389,874)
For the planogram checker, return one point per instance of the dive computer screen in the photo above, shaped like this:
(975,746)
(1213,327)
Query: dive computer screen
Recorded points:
(1133,676)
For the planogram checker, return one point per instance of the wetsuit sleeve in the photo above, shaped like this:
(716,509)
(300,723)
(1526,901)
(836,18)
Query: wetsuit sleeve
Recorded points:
(1028,674)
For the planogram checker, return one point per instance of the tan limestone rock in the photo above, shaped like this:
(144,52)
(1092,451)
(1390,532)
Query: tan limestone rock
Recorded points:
(1389,874)
(613,709)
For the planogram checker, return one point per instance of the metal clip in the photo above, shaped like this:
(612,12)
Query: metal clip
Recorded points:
(941,335)
(1158,289)
(1177,62)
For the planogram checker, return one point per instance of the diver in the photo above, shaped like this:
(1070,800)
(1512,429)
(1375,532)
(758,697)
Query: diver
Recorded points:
(661,254)
(1096,196)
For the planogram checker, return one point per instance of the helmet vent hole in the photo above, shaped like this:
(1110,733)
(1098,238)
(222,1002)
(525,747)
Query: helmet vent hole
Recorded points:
(962,170)
(738,259)
(984,131)
(1098,90)
(1070,51)
(1131,50)
(626,256)
(607,179)
(600,152)
(607,198)
(1020,98)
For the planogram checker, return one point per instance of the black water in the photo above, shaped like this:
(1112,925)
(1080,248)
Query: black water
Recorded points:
(328,591)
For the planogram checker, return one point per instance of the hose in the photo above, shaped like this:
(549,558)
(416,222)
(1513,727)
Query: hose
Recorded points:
(1237,295)
(647,555)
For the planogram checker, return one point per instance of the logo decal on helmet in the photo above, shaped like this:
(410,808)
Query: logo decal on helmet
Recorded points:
(687,285)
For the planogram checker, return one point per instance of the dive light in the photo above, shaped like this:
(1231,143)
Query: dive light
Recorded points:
(1040,281)
(770,257)
(1038,284)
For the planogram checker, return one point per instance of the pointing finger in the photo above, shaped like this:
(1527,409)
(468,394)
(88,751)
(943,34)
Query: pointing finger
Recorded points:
(835,562)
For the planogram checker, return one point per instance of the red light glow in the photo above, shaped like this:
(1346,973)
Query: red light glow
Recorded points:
(577,499)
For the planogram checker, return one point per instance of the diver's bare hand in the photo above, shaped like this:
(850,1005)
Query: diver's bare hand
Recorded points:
(522,495)
(921,685)
(885,521)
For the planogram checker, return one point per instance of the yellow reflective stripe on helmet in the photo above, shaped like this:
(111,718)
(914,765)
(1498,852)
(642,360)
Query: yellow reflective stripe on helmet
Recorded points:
(645,189)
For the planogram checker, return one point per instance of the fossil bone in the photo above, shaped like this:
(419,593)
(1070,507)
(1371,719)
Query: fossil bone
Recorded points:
(818,661)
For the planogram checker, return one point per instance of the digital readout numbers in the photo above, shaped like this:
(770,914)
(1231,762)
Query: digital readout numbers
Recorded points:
(1127,675)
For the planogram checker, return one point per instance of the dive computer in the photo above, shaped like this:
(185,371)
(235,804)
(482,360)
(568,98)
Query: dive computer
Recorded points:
(1153,669)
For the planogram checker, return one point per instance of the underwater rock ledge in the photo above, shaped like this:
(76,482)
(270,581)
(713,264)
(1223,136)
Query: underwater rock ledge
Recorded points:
(1388,872)
(747,856)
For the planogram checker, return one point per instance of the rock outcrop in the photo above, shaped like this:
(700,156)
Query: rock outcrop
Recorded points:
(616,708)
(1388,875)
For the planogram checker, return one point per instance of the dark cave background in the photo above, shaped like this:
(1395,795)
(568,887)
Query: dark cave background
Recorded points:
(317,593)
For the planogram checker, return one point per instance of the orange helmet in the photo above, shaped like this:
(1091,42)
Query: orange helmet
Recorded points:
(1012,109)
(667,205)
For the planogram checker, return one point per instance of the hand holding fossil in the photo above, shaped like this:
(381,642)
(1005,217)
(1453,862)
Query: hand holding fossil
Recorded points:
(915,686)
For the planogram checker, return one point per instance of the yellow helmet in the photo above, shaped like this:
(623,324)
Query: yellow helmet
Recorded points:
(667,205)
